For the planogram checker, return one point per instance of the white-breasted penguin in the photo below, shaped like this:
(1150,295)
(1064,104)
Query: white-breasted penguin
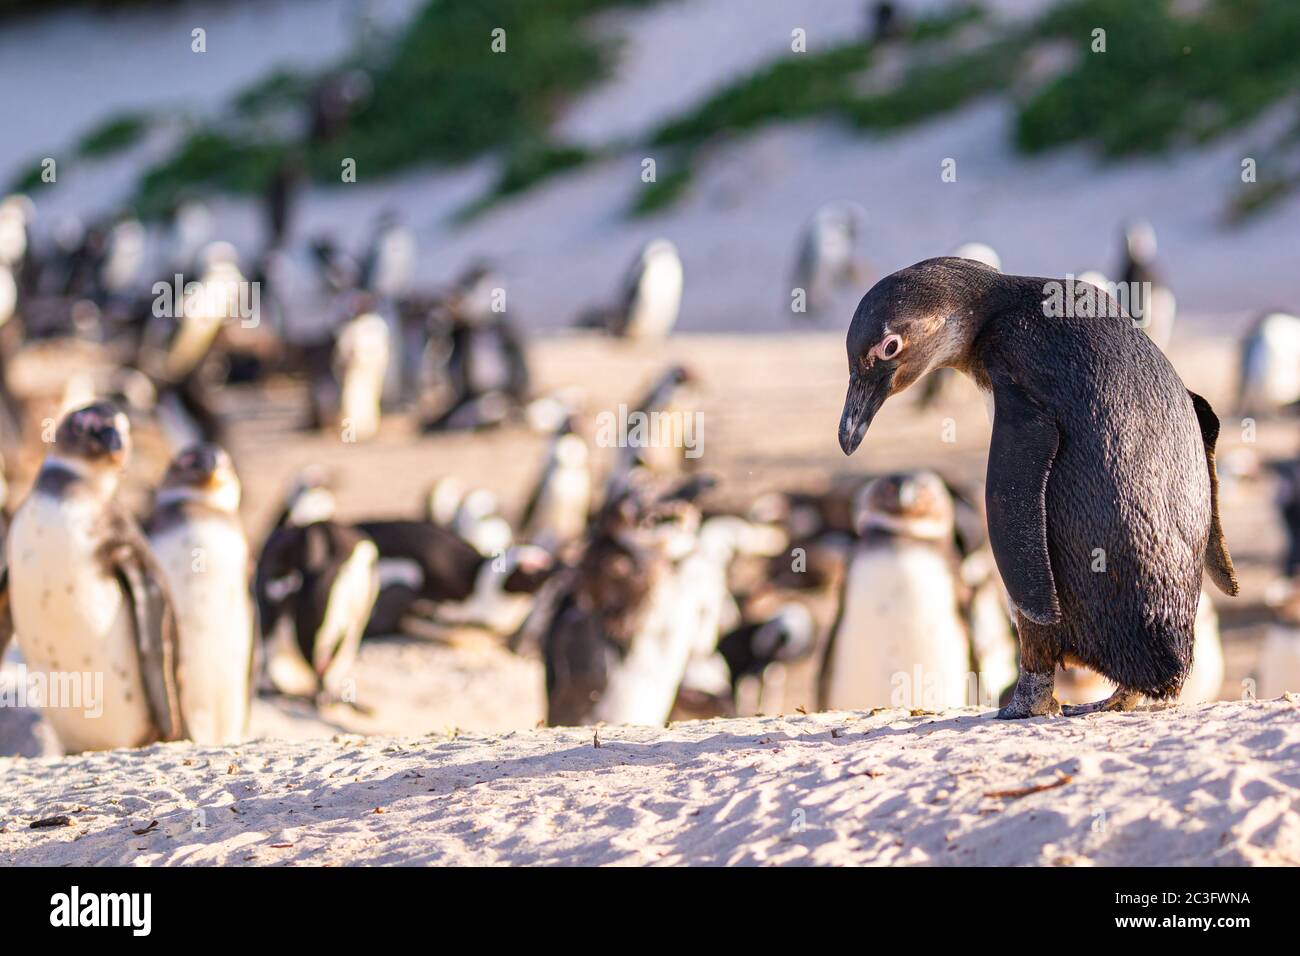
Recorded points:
(87,598)
(1151,302)
(899,639)
(201,549)
(557,509)
(652,295)
(360,367)
(828,259)
(315,588)
(616,640)
(1269,380)
(1075,474)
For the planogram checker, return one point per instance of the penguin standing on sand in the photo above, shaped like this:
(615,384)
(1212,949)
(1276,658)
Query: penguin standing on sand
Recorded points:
(828,257)
(556,512)
(86,595)
(899,639)
(315,588)
(1151,303)
(197,537)
(1102,494)
(652,296)
(1270,365)
(360,369)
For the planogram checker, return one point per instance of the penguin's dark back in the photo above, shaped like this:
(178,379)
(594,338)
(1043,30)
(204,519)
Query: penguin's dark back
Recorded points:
(1128,497)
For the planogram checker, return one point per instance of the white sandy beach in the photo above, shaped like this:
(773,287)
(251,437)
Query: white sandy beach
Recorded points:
(1216,784)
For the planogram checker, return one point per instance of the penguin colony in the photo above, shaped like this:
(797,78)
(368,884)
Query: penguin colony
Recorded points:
(643,602)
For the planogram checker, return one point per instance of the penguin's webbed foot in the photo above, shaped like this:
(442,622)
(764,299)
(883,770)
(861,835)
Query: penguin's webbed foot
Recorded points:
(1033,697)
(1120,700)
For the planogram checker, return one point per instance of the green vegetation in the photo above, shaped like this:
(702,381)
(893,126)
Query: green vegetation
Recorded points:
(1165,79)
(112,136)
(664,191)
(526,166)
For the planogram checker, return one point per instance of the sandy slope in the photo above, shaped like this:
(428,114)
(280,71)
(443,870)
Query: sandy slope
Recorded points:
(1211,785)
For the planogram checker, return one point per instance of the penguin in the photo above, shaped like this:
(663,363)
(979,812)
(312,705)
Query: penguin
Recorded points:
(557,508)
(424,561)
(315,587)
(1151,303)
(828,257)
(176,345)
(196,535)
(660,399)
(899,638)
(1269,380)
(310,499)
(388,264)
(1099,453)
(617,640)
(16,214)
(1277,667)
(87,596)
(360,367)
(478,520)
(941,378)
(484,370)
(652,296)
(757,652)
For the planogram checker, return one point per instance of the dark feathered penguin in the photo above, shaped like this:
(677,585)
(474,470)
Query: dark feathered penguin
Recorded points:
(1102,493)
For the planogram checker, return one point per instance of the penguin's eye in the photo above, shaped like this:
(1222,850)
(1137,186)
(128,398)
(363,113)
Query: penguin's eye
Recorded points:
(890,346)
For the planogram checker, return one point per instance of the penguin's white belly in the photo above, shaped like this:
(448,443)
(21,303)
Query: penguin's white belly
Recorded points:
(1272,368)
(562,508)
(1205,682)
(901,642)
(346,612)
(643,687)
(205,564)
(659,297)
(74,627)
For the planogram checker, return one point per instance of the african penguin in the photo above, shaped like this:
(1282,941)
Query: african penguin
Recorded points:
(1151,303)
(360,368)
(556,512)
(1100,458)
(617,642)
(828,259)
(315,587)
(899,639)
(940,379)
(199,542)
(653,296)
(88,599)
(1270,365)
(478,520)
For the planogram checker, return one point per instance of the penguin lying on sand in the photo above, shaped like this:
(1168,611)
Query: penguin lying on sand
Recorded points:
(86,594)
(1099,453)
(315,588)
(423,561)
(199,542)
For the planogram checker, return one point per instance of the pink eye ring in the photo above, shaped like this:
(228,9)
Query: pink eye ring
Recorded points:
(889,347)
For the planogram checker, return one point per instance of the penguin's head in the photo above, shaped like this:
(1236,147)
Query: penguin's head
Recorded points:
(93,439)
(203,472)
(908,323)
(1140,241)
(914,504)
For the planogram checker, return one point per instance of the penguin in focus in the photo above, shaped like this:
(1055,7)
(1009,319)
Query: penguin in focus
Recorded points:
(899,639)
(1099,452)
(828,259)
(315,587)
(85,593)
(1151,302)
(1269,380)
(197,537)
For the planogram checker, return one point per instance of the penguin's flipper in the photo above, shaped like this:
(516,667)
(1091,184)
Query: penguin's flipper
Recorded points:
(1021,452)
(1218,562)
(6,615)
(154,621)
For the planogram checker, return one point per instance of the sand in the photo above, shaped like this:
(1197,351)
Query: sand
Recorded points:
(1216,784)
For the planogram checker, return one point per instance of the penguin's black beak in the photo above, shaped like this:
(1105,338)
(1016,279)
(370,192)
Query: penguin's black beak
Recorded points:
(867,392)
